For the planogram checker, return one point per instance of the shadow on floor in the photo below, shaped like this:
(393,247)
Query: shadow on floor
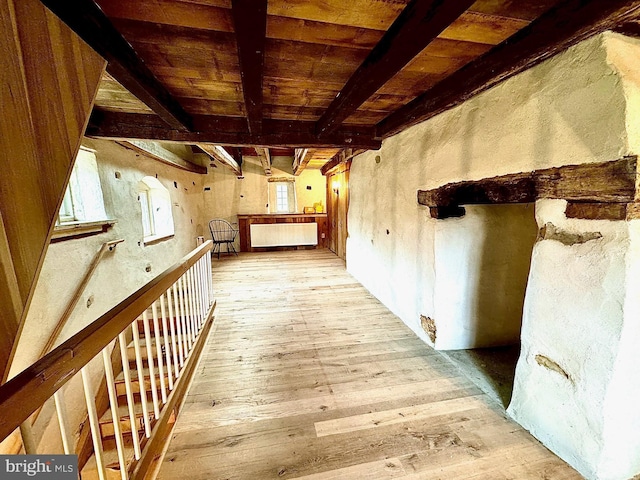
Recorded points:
(491,369)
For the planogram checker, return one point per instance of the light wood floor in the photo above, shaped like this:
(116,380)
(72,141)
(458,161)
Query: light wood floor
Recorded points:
(308,376)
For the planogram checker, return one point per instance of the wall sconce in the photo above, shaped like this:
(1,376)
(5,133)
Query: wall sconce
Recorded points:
(336,186)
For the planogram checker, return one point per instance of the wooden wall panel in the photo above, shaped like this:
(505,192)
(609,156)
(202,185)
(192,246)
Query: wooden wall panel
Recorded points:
(338,209)
(49,81)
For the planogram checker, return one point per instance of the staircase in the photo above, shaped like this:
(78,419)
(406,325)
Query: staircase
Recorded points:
(149,346)
(158,387)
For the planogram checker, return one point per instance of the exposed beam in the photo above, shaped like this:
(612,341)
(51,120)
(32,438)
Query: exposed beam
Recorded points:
(154,150)
(250,25)
(631,29)
(566,24)
(340,158)
(214,151)
(608,182)
(301,160)
(417,25)
(265,159)
(88,21)
(227,131)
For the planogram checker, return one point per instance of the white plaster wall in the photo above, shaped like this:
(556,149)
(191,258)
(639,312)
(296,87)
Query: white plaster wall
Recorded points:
(573,315)
(229,196)
(122,271)
(568,110)
(620,458)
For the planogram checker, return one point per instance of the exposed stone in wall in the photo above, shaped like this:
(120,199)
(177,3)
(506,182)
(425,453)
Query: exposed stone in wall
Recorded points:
(546,362)
(550,232)
(429,326)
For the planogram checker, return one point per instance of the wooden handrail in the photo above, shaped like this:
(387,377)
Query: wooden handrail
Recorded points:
(106,247)
(24,393)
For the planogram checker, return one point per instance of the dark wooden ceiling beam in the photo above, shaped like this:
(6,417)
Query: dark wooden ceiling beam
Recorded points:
(265,159)
(566,24)
(88,21)
(227,131)
(416,27)
(606,182)
(250,24)
(226,160)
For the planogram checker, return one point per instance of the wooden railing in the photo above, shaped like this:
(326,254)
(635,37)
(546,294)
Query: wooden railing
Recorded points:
(175,313)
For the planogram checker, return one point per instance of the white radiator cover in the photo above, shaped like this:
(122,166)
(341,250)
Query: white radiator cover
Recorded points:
(284,234)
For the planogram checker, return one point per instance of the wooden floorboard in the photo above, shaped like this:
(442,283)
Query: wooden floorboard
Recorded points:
(308,376)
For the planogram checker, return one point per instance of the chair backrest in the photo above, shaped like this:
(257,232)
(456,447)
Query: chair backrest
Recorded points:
(222,231)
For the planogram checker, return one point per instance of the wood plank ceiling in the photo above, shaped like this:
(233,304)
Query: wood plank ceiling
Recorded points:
(312,73)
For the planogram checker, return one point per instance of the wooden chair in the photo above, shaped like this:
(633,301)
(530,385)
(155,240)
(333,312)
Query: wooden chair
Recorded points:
(222,232)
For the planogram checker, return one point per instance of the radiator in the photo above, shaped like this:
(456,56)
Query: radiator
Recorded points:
(284,234)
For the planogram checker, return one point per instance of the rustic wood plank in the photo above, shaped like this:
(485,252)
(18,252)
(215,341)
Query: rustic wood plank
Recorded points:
(250,25)
(596,211)
(92,25)
(216,154)
(265,160)
(48,81)
(318,352)
(613,182)
(566,24)
(157,152)
(227,131)
(419,23)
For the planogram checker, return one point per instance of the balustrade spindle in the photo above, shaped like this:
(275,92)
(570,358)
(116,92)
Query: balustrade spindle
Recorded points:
(63,422)
(141,382)
(156,332)
(129,393)
(115,415)
(151,364)
(168,347)
(94,423)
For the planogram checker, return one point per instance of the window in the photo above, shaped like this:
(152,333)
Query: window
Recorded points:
(82,210)
(282,198)
(157,214)
(282,195)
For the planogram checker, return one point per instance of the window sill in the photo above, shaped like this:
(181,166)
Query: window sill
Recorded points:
(71,230)
(153,239)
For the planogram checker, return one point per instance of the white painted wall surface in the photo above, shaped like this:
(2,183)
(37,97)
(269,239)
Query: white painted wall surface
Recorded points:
(575,314)
(582,303)
(229,196)
(570,109)
(122,271)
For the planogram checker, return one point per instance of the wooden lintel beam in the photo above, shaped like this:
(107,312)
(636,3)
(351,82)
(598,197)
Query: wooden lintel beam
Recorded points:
(567,23)
(265,159)
(88,21)
(301,160)
(214,153)
(339,159)
(250,26)
(417,26)
(607,182)
(228,131)
(153,150)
